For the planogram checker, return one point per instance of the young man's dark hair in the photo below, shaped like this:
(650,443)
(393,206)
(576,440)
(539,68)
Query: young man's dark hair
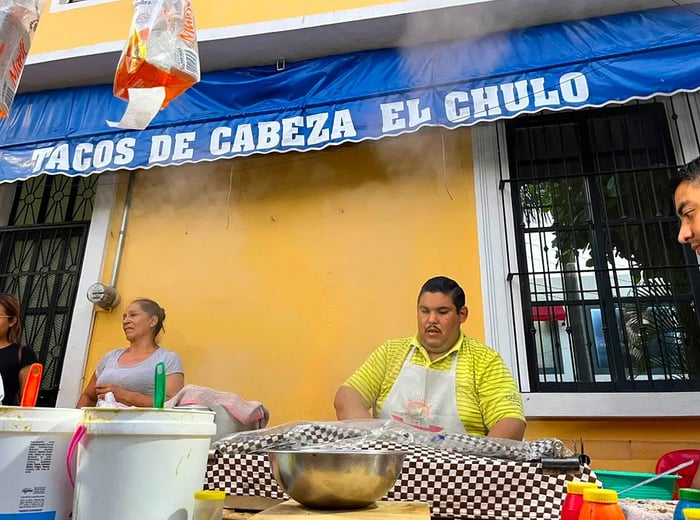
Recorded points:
(447,286)
(688,173)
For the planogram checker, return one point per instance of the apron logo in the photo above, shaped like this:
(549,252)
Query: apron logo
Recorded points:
(417,414)
(418,410)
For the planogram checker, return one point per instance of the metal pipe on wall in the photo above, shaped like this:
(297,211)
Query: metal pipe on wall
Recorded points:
(122,229)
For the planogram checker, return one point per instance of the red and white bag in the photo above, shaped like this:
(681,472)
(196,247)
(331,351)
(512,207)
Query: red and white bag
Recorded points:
(18,23)
(161,50)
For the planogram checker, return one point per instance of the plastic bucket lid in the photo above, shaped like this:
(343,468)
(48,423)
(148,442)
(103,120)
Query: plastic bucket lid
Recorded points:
(15,419)
(601,496)
(158,422)
(692,513)
(576,488)
(210,495)
(692,495)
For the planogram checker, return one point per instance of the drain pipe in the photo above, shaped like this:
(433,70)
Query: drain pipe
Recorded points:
(106,296)
(122,229)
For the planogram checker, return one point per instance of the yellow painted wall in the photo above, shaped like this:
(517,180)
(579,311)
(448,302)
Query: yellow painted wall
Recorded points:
(107,22)
(281,273)
(279,289)
(623,444)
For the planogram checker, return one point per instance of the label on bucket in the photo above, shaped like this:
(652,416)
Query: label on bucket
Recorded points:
(39,515)
(39,456)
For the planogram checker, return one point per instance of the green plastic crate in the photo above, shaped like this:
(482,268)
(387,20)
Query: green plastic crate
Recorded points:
(660,489)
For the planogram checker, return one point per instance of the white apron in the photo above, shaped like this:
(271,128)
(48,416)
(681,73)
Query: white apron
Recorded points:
(425,398)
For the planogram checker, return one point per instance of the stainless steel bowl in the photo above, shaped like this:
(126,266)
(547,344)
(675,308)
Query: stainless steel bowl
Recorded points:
(334,479)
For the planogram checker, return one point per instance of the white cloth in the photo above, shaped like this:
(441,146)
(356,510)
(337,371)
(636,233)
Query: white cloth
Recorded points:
(2,390)
(425,398)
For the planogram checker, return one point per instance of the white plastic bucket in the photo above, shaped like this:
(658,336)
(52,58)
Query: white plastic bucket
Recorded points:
(33,445)
(141,463)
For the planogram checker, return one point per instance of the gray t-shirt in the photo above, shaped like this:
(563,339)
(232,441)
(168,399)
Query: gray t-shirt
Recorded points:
(136,378)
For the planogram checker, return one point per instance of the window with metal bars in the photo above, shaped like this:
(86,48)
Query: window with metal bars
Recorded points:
(53,199)
(41,254)
(608,294)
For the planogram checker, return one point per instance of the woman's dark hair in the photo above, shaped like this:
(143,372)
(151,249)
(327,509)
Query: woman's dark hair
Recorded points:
(10,303)
(446,286)
(152,308)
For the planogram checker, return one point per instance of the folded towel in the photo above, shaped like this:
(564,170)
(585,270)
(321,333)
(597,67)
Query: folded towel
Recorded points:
(246,412)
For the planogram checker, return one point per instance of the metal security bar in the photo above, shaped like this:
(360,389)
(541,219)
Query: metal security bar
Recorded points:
(608,294)
(41,255)
(53,199)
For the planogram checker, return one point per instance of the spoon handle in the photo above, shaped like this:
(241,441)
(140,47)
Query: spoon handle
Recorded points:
(655,477)
(31,385)
(159,392)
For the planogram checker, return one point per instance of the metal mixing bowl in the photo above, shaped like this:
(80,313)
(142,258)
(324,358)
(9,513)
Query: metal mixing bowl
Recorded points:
(335,479)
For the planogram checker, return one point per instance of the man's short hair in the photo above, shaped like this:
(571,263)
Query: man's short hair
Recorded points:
(688,173)
(446,286)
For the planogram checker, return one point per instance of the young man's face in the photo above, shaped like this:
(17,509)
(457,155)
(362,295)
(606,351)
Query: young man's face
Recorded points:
(438,322)
(688,210)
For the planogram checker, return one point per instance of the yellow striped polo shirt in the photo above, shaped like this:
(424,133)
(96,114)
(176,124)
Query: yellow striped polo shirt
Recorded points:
(486,390)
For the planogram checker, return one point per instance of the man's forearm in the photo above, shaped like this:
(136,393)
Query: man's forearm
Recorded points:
(349,405)
(508,428)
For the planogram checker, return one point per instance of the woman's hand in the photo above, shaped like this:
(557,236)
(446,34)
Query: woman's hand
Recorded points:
(94,392)
(174,383)
(124,396)
(121,395)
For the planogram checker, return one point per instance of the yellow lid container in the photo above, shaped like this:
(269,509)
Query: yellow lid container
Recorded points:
(600,496)
(576,488)
(210,495)
(692,513)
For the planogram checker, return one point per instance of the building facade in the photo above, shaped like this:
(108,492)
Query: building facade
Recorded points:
(473,146)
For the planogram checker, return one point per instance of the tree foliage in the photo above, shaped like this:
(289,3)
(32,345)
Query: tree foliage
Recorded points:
(626,219)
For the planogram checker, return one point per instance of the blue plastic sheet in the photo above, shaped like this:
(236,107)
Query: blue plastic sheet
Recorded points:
(366,95)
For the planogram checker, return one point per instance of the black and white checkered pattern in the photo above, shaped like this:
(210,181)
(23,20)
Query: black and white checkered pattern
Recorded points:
(456,485)
(299,436)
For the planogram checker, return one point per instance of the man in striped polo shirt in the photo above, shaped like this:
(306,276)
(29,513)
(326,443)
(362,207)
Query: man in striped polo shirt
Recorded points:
(439,381)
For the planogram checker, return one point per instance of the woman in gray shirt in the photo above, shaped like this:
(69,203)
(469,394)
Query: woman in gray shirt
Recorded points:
(129,372)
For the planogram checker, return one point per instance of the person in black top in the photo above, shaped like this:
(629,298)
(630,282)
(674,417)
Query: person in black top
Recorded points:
(15,358)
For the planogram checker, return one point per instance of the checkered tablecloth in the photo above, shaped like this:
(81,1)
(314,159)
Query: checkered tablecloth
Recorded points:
(456,485)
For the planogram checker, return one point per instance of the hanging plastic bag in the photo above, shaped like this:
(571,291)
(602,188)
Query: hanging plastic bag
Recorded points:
(18,22)
(160,60)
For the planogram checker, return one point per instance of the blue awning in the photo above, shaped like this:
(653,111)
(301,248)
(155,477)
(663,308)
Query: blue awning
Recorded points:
(366,95)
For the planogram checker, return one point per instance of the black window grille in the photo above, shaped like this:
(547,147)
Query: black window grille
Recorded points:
(52,199)
(41,255)
(608,294)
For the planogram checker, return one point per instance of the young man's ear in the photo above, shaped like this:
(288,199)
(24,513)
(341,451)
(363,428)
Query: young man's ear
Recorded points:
(463,313)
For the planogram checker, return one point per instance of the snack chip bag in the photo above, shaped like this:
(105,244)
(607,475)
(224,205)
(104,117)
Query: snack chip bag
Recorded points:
(18,22)
(161,50)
